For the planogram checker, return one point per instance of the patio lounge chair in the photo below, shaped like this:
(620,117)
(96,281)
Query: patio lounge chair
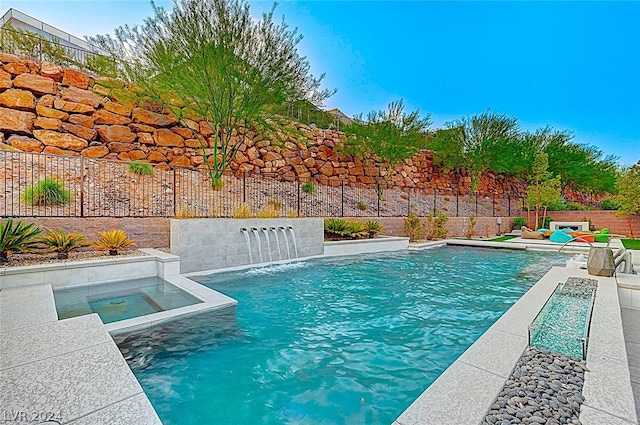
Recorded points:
(530,234)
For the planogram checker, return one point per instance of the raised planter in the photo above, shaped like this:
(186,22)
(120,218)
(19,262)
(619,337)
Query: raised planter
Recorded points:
(363,246)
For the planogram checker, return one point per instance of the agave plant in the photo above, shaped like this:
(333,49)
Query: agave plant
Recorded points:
(335,226)
(113,241)
(356,229)
(373,227)
(62,243)
(18,238)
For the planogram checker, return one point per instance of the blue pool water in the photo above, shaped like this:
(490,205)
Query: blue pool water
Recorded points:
(334,341)
(121,300)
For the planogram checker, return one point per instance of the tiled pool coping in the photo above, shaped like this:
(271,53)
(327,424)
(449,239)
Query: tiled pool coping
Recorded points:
(486,365)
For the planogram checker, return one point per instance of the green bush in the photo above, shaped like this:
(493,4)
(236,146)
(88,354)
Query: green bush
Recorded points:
(362,205)
(356,230)
(18,238)
(544,221)
(62,243)
(47,193)
(437,225)
(309,188)
(373,227)
(335,226)
(609,204)
(518,222)
(141,168)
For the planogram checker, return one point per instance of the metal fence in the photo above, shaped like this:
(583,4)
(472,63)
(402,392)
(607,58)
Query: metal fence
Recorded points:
(40,185)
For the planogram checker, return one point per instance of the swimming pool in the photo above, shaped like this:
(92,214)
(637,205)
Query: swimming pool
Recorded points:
(347,340)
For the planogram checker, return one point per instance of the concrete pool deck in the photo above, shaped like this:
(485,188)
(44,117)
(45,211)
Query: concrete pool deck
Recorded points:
(63,371)
(487,364)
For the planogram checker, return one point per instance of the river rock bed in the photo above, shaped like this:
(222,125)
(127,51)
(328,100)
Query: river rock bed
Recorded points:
(544,388)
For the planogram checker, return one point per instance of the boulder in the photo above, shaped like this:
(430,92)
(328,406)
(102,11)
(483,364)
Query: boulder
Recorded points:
(5,80)
(146,139)
(95,152)
(326,169)
(115,133)
(25,144)
(48,123)
(86,97)
(83,120)
(46,112)
(138,128)
(75,78)
(52,150)
(143,116)
(80,131)
(19,122)
(118,108)
(73,107)
(137,155)
(117,147)
(7,57)
(165,137)
(50,70)
(16,68)
(18,99)
(60,140)
(155,157)
(36,84)
(180,161)
(102,116)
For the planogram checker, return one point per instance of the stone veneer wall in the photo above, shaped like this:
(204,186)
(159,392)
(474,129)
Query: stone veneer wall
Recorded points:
(145,232)
(208,244)
(48,109)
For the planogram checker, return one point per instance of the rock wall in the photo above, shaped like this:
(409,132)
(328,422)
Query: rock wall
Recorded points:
(47,109)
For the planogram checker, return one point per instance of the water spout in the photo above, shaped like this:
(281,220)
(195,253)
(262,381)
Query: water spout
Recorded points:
(284,234)
(245,232)
(275,232)
(293,236)
(257,235)
(266,235)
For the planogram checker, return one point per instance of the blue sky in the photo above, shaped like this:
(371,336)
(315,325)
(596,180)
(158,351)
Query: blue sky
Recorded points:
(572,65)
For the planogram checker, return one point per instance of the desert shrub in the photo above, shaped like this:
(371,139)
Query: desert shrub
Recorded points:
(413,227)
(20,237)
(292,213)
(356,230)
(62,243)
(141,168)
(373,227)
(362,205)
(335,226)
(243,211)
(274,203)
(308,187)
(436,224)
(471,230)
(518,222)
(609,204)
(47,192)
(113,241)
(269,212)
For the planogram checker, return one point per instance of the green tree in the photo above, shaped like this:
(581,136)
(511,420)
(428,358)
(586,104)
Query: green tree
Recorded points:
(544,188)
(212,60)
(628,197)
(389,137)
(476,143)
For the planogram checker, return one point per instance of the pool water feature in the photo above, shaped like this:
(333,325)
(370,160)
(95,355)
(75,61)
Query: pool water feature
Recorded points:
(121,300)
(344,340)
(563,323)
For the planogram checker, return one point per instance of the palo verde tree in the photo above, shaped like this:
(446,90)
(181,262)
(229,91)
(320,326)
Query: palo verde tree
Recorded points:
(629,194)
(544,189)
(473,143)
(389,137)
(211,60)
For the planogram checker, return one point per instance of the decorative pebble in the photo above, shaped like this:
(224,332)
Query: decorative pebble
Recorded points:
(544,388)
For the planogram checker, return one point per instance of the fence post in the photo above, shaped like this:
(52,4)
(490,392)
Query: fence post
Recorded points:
(82,186)
(509,198)
(493,205)
(378,196)
(435,194)
(476,203)
(342,199)
(175,194)
(457,205)
(298,197)
(408,202)
(244,187)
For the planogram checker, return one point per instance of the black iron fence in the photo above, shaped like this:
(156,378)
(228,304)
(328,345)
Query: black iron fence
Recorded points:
(40,185)
(37,47)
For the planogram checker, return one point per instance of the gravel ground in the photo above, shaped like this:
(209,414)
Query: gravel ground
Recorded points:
(31,259)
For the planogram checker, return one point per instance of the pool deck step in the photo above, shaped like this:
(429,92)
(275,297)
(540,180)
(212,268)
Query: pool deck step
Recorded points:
(69,371)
